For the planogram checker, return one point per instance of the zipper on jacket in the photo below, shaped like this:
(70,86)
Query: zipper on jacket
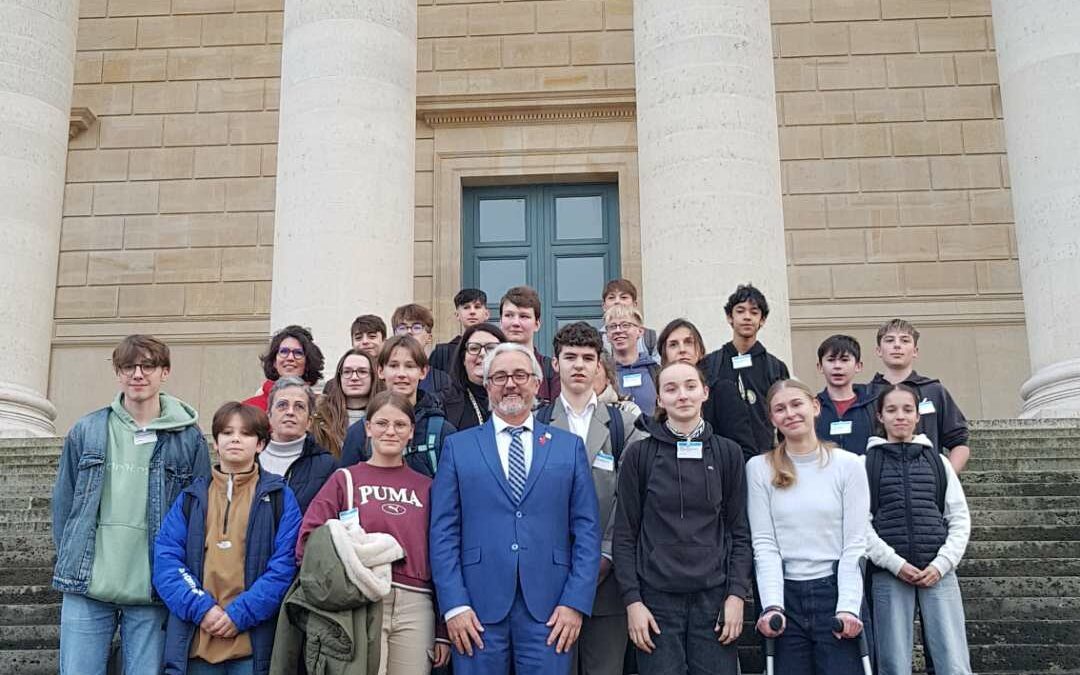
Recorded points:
(907,500)
(228,505)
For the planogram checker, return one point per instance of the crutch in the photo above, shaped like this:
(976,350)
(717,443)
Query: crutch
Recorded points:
(864,646)
(775,623)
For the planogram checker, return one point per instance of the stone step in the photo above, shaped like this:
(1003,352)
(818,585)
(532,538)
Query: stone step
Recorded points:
(1020,489)
(1022,608)
(1046,632)
(30,637)
(44,527)
(29,615)
(23,502)
(1019,567)
(1062,447)
(1026,533)
(1024,464)
(1020,587)
(11,575)
(977,550)
(37,477)
(1020,476)
(30,661)
(1047,658)
(1022,503)
(1011,517)
(25,516)
(28,595)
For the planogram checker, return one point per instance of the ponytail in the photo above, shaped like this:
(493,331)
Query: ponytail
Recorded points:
(783,469)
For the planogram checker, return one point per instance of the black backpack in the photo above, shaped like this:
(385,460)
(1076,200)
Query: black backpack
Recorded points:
(875,461)
(618,429)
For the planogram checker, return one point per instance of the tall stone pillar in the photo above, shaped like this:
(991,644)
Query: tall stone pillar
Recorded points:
(709,163)
(343,239)
(37,52)
(1039,62)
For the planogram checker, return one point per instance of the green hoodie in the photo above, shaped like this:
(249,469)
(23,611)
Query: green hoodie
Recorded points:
(121,572)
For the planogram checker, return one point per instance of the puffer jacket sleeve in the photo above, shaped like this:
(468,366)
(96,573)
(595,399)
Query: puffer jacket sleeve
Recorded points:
(263,600)
(177,586)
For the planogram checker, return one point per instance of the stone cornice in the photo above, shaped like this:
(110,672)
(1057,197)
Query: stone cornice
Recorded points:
(80,121)
(543,108)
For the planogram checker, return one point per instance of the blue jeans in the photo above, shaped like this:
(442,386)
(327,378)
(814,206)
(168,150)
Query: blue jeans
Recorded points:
(233,667)
(86,632)
(942,615)
(807,645)
(687,643)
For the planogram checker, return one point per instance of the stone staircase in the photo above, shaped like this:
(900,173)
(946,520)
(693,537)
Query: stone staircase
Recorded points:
(1020,578)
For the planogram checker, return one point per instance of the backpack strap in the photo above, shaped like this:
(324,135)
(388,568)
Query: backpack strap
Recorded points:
(873,476)
(940,477)
(618,431)
(348,488)
(434,430)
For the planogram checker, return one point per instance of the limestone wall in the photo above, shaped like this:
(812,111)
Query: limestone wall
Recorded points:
(896,195)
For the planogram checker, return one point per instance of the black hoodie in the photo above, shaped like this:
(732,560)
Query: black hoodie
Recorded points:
(946,426)
(753,383)
(681,524)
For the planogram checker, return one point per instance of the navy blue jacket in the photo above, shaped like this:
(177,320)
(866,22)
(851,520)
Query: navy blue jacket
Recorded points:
(946,427)
(423,453)
(860,414)
(436,381)
(269,567)
(309,472)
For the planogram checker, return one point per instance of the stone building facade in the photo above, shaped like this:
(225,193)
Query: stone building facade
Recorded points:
(236,165)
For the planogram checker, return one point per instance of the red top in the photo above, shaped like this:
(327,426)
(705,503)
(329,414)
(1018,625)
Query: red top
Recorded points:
(391,500)
(261,401)
(843,406)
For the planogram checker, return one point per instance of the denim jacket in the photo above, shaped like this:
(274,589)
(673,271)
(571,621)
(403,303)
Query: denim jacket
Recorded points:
(179,457)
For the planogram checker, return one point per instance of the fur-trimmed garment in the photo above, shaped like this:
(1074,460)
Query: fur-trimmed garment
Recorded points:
(366,556)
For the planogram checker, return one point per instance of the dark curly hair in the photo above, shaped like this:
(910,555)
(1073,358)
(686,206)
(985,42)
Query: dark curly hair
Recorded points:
(747,293)
(457,365)
(313,356)
(577,334)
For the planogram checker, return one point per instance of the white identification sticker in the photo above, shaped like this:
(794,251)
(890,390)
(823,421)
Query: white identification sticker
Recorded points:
(631,380)
(604,462)
(926,407)
(840,428)
(224,545)
(741,361)
(688,450)
(350,517)
(144,436)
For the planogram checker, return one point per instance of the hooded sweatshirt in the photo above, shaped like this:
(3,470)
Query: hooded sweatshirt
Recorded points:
(680,524)
(753,381)
(939,417)
(851,430)
(121,570)
(636,381)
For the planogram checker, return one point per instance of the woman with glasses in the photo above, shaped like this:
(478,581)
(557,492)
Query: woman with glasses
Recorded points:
(292,353)
(292,452)
(387,496)
(466,402)
(344,400)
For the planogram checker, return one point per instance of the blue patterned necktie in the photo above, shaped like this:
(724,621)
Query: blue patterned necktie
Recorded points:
(516,474)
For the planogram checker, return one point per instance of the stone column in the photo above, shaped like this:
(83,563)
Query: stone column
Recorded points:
(343,240)
(37,52)
(709,161)
(1039,62)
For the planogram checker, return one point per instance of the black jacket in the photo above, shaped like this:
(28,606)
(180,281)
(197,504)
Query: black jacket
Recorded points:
(946,426)
(861,414)
(460,411)
(435,382)
(681,524)
(443,355)
(423,453)
(729,416)
(753,384)
(310,470)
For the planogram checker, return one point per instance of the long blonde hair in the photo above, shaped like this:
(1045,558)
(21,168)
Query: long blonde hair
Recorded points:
(782,467)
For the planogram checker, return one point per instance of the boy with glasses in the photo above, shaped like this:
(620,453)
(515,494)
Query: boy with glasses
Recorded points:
(120,470)
(624,292)
(636,370)
(470,309)
(417,321)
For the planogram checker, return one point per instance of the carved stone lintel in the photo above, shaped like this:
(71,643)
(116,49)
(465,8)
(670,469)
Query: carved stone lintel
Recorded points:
(444,111)
(81,119)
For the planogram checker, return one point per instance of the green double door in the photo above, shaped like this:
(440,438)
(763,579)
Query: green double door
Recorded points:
(563,240)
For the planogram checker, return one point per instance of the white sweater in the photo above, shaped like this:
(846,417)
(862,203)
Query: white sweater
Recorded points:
(799,532)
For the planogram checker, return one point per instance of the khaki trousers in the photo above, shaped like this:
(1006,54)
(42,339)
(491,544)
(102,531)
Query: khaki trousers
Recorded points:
(408,633)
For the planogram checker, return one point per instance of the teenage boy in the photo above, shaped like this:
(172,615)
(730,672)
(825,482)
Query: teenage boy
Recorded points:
(624,292)
(847,409)
(745,362)
(519,317)
(470,308)
(418,321)
(368,332)
(636,371)
(121,468)
(606,430)
(939,417)
(225,555)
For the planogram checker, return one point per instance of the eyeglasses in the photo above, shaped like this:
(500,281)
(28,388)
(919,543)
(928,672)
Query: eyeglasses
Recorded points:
(381,426)
(415,329)
(146,368)
(285,353)
(358,373)
(475,348)
(284,406)
(621,327)
(519,377)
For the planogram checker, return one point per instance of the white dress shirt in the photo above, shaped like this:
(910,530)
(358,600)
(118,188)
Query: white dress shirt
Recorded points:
(579,424)
(503,440)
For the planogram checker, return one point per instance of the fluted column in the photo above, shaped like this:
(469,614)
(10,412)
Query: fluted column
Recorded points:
(37,51)
(709,162)
(343,240)
(1039,62)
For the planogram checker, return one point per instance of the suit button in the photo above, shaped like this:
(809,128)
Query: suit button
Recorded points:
(517,514)
(513,547)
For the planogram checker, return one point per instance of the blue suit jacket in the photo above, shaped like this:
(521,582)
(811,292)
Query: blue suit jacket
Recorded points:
(483,544)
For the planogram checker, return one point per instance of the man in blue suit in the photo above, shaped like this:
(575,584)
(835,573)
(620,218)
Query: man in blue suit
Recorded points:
(515,535)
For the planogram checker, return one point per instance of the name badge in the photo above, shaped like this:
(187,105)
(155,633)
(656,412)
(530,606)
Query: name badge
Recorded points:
(631,380)
(741,361)
(350,518)
(604,462)
(688,450)
(840,428)
(224,545)
(145,436)
(926,407)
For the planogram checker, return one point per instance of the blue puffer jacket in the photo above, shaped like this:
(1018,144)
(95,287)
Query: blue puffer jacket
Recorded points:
(269,567)
(179,457)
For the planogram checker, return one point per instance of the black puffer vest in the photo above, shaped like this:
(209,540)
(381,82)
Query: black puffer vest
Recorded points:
(908,518)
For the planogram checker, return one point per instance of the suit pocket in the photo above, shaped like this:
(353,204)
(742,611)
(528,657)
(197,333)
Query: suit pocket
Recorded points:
(560,556)
(470,556)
